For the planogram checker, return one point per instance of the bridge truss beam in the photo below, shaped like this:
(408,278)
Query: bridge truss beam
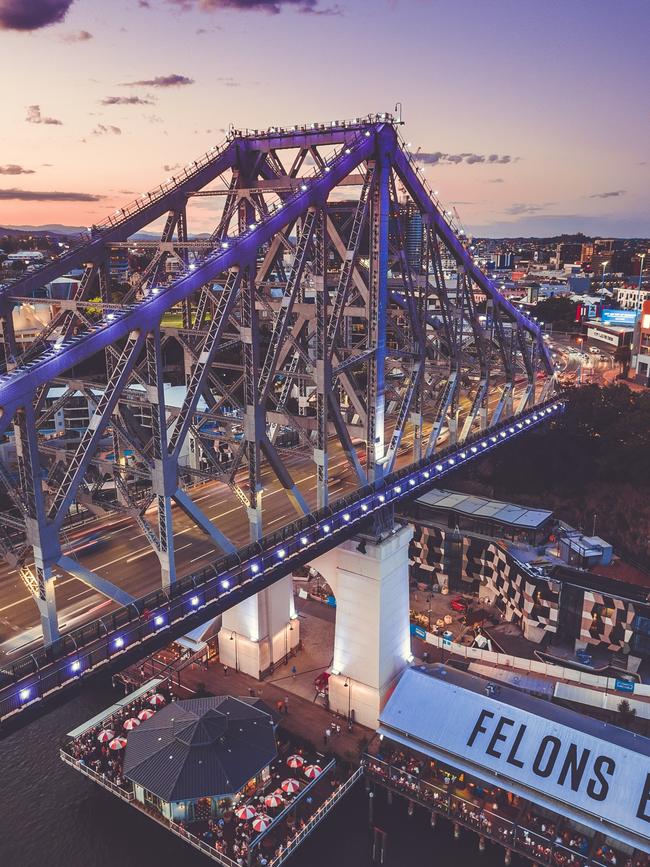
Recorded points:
(305,316)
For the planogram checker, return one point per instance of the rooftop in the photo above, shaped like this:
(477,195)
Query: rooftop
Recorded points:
(555,757)
(201,747)
(480,507)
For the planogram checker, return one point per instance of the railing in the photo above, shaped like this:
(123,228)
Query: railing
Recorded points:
(100,779)
(317,817)
(199,844)
(485,822)
(237,576)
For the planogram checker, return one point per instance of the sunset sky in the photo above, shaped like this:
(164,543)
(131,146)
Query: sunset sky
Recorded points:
(98,96)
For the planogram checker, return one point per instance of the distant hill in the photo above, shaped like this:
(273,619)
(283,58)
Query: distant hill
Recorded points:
(53,229)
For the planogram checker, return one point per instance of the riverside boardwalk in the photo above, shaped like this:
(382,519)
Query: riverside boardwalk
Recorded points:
(306,719)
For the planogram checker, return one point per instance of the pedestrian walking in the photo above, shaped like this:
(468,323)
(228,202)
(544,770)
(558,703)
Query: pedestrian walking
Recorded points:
(294,671)
(338,729)
(327,736)
(280,705)
(286,705)
(225,671)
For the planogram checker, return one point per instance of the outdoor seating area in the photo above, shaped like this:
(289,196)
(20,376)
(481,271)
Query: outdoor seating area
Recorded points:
(494,812)
(101,747)
(259,825)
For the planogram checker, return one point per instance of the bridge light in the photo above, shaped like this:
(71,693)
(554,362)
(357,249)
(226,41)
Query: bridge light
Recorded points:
(348,151)
(282,553)
(194,601)
(252,226)
(326,528)
(303,187)
(463,454)
(304,540)
(225,584)
(439,467)
(155,290)
(119,642)
(76,666)
(502,434)
(24,694)
(159,620)
(493,439)
(451,462)
(328,168)
(527,421)
(535,417)
(426,474)
(225,245)
(474,449)
(192,267)
(511,429)
(382,498)
(398,489)
(255,568)
(411,482)
(346,517)
(364,507)
(110,317)
(367,134)
(519,425)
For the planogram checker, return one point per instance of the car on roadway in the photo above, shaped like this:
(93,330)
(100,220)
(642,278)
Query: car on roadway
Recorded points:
(459,604)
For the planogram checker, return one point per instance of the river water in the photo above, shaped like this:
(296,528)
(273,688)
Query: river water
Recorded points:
(51,816)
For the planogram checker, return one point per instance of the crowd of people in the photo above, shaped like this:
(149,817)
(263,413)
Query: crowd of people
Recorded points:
(480,808)
(98,755)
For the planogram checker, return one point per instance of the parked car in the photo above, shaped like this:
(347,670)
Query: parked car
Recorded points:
(459,604)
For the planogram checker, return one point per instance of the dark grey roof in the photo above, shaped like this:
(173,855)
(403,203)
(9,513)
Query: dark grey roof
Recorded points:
(200,747)
(481,507)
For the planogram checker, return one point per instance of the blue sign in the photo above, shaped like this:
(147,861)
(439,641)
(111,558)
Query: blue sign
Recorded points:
(331,600)
(418,631)
(624,685)
(622,318)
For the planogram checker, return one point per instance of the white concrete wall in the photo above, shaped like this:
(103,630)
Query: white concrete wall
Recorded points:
(261,630)
(372,637)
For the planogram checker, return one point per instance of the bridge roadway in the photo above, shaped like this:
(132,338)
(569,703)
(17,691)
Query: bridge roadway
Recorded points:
(122,555)
(127,633)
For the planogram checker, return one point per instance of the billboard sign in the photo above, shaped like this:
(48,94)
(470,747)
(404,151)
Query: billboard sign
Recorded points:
(528,744)
(621,318)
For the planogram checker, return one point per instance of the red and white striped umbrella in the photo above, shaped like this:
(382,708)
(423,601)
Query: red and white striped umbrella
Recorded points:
(146,713)
(245,812)
(117,743)
(105,735)
(295,761)
(131,723)
(273,800)
(261,822)
(157,700)
(312,771)
(290,786)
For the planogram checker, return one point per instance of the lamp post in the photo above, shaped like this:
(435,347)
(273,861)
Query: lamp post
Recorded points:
(348,686)
(602,279)
(233,637)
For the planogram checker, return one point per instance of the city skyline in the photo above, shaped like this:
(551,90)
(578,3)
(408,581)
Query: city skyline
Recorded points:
(531,121)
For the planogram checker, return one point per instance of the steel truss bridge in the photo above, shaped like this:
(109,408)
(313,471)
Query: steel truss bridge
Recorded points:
(334,303)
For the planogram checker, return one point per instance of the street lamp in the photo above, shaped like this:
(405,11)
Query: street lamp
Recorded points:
(638,294)
(348,686)
(602,280)
(233,637)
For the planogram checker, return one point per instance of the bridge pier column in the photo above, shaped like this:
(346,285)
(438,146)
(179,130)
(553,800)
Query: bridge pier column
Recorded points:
(46,604)
(372,642)
(260,632)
